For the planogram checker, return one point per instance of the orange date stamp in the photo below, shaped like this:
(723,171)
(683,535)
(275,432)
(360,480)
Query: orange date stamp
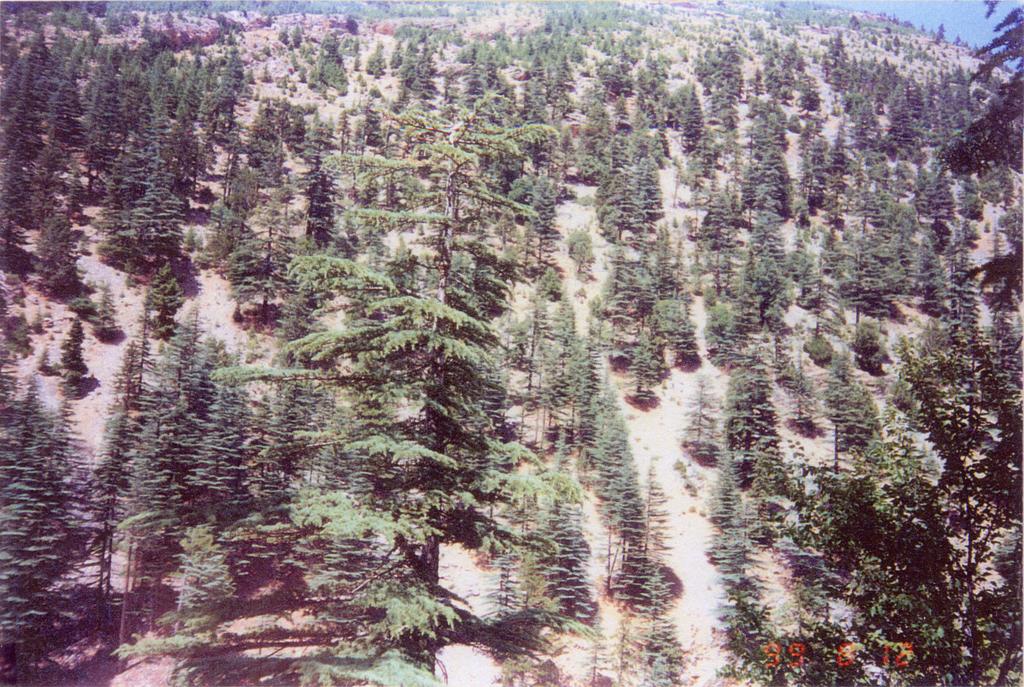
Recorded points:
(794,655)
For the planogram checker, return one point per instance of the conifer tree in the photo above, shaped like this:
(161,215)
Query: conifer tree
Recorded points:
(58,256)
(318,184)
(851,410)
(329,69)
(963,299)
(542,223)
(205,579)
(375,64)
(813,162)
(647,367)
(691,120)
(566,570)
(930,278)
(675,330)
(40,528)
(802,389)
(867,284)
(109,487)
(702,438)
(105,325)
(763,286)
(750,419)
(164,298)
(72,364)
(258,266)
(436,471)
(718,238)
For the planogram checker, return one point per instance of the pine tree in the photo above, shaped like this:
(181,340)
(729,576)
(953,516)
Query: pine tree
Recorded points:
(160,505)
(763,285)
(902,135)
(426,351)
(258,266)
(566,570)
(164,298)
(750,419)
(962,314)
(318,184)
(647,195)
(58,256)
(542,224)
(329,69)
(647,367)
(109,486)
(205,579)
(867,284)
(72,364)
(40,529)
(813,164)
(691,120)
(375,64)
(851,410)
(718,238)
(105,325)
(675,330)
(702,439)
(158,215)
(725,343)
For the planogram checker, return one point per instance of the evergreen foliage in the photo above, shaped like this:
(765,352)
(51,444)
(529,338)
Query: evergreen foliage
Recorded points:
(72,365)
(164,298)
(399,221)
(41,530)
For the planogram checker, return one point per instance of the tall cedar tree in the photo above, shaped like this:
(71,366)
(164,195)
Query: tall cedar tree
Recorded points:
(72,364)
(58,256)
(40,529)
(750,419)
(851,409)
(163,299)
(415,365)
(258,267)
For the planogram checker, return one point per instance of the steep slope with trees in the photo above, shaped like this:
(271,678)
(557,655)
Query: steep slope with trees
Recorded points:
(520,345)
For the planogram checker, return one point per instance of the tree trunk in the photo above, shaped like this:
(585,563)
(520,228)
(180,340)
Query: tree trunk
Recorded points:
(835,449)
(122,634)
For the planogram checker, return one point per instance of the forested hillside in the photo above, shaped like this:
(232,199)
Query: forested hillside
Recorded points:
(603,345)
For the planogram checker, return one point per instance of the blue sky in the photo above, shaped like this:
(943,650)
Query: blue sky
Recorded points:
(964,18)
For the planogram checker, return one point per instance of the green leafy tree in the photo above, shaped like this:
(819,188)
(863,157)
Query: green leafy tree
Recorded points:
(869,348)
(581,251)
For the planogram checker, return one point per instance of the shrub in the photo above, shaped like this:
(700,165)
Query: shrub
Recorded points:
(820,350)
(869,348)
(84,308)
